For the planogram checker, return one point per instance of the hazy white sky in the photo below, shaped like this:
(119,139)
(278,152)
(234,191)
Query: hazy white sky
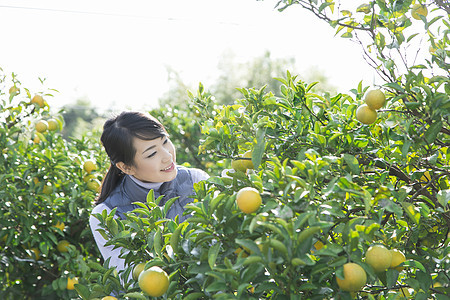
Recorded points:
(116,52)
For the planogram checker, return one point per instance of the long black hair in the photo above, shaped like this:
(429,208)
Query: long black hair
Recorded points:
(117,139)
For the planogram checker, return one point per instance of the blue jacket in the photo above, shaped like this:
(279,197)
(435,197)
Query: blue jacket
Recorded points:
(128,191)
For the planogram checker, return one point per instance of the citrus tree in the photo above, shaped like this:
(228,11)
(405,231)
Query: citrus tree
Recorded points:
(325,197)
(46,197)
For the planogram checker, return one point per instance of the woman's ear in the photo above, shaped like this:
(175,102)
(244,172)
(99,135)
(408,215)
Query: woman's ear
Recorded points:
(125,168)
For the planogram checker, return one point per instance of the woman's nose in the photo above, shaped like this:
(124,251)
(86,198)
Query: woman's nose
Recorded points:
(167,156)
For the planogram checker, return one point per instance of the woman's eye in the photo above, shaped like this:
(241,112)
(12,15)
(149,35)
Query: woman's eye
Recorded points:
(151,155)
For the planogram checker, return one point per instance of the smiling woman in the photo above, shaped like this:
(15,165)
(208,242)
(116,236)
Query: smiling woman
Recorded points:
(142,159)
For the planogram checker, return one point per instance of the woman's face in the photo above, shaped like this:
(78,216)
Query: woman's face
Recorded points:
(154,160)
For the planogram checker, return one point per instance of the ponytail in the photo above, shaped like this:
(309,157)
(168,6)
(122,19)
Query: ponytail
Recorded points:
(109,183)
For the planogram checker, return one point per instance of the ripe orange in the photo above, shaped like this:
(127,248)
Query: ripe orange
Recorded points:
(238,165)
(365,114)
(94,185)
(63,246)
(14,90)
(71,283)
(4,238)
(375,99)
(48,189)
(41,126)
(419,10)
(248,162)
(38,100)
(36,253)
(243,164)
(53,125)
(36,139)
(397,258)
(354,278)
(89,166)
(137,270)
(379,257)
(154,281)
(88,177)
(248,200)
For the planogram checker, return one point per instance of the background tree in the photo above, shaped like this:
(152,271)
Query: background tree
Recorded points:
(233,74)
(80,118)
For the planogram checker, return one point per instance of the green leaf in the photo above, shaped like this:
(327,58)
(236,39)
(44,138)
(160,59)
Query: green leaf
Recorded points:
(258,151)
(252,259)
(216,286)
(325,5)
(157,241)
(249,244)
(414,264)
(352,162)
(411,212)
(135,295)
(364,8)
(213,252)
(433,131)
(347,35)
(151,196)
(443,197)
(395,86)
(83,291)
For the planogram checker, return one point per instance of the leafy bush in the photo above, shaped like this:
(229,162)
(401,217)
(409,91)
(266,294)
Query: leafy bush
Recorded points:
(44,199)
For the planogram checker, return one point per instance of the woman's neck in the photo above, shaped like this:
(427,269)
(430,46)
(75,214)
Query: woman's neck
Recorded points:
(147,185)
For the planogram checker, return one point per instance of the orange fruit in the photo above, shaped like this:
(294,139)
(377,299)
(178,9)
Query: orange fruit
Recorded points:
(63,246)
(397,258)
(137,270)
(365,114)
(48,189)
(41,126)
(379,257)
(248,200)
(354,278)
(36,252)
(89,166)
(14,90)
(419,10)
(375,99)
(154,281)
(243,164)
(38,100)
(53,125)
(71,283)
(94,185)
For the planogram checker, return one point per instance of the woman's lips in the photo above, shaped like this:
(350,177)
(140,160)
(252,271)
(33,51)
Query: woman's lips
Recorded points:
(169,168)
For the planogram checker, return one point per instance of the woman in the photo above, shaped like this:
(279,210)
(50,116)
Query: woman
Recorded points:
(142,158)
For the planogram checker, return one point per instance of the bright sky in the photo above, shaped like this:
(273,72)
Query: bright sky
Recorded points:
(115,52)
